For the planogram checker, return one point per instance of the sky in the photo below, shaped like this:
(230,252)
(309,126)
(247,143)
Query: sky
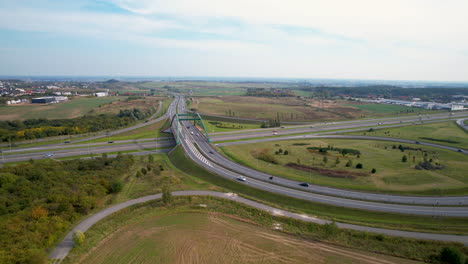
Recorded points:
(337,39)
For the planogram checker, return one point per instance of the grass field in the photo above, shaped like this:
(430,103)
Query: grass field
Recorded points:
(443,133)
(341,214)
(142,104)
(200,88)
(392,176)
(70,109)
(177,236)
(221,126)
(386,109)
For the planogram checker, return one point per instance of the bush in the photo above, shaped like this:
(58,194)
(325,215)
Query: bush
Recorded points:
(359,166)
(166,195)
(116,186)
(143,170)
(373,170)
(404,158)
(452,256)
(78,237)
(349,163)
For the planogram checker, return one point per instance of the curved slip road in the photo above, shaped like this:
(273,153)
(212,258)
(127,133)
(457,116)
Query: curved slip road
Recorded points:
(64,247)
(221,166)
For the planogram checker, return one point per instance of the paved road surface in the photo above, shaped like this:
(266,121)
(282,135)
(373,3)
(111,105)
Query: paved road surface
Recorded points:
(64,247)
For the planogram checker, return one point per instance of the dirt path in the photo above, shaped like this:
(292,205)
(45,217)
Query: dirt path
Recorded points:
(64,247)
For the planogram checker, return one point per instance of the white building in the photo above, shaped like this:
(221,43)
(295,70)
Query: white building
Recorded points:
(456,107)
(101,94)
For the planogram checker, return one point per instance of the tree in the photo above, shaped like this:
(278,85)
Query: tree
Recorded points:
(373,170)
(286,152)
(404,158)
(78,237)
(452,255)
(166,195)
(359,166)
(38,212)
(349,163)
(150,158)
(143,170)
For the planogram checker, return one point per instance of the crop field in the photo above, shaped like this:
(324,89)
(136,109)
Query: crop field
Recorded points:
(73,108)
(187,237)
(305,162)
(202,88)
(443,133)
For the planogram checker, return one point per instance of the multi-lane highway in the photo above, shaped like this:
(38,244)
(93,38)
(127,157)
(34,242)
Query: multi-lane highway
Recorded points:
(200,151)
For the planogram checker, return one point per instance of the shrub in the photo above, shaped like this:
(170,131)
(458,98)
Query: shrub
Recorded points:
(349,163)
(116,186)
(359,166)
(452,256)
(166,195)
(143,170)
(78,237)
(404,158)
(373,170)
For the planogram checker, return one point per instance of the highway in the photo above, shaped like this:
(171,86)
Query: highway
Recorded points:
(61,251)
(200,151)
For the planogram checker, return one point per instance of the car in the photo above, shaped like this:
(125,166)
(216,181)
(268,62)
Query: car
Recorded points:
(191,132)
(48,155)
(216,144)
(275,133)
(304,184)
(271,178)
(110,142)
(68,141)
(241,178)
(283,127)
(211,152)
(459,150)
(417,142)
(379,123)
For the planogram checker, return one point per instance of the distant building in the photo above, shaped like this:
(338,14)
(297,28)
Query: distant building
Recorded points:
(456,107)
(101,94)
(60,98)
(43,100)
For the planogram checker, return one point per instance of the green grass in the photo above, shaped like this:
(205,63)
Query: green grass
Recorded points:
(220,126)
(393,176)
(382,108)
(184,232)
(73,108)
(324,211)
(442,133)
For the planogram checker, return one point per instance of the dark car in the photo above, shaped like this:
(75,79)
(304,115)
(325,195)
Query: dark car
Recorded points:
(417,142)
(304,184)
(68,141)
(271,178)
(459,150)
(211,152)
(110,141)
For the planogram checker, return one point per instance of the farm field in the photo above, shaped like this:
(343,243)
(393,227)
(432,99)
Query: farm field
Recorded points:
(443,133)
(287,109)
(73,108)
(140,103)
(201,88)
(187,237)
(292,109)
(329,168)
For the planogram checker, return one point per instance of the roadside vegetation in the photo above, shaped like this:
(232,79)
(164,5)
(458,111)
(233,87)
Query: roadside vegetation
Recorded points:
(442,133)
(447,225)
(41,200)
(376,166)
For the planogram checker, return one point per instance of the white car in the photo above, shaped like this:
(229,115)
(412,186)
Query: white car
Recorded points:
(275,133)
(48,155)
(241,178)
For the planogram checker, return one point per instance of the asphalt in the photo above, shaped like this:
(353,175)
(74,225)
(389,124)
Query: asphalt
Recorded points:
(64,247)
(201,152)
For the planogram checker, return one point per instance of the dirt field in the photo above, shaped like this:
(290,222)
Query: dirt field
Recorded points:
(213,238)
